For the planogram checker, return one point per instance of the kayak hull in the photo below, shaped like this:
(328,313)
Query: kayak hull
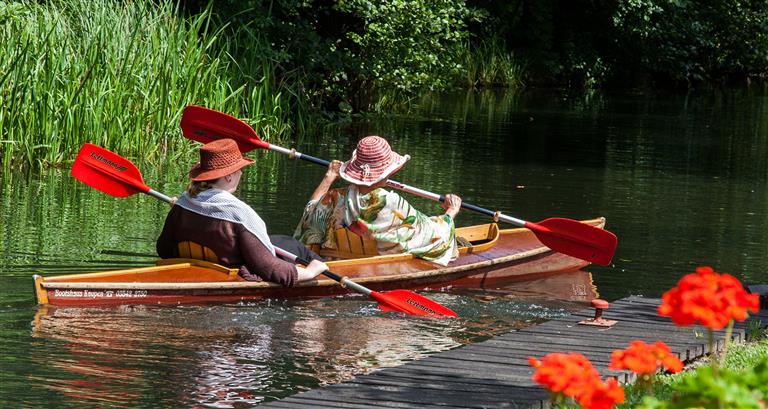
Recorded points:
(501,256)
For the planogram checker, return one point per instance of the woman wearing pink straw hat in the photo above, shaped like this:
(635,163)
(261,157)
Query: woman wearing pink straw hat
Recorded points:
(210,215)
(371,211)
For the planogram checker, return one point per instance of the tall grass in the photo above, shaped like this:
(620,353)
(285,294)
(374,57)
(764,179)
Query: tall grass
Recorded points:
(488,64)
(118,74)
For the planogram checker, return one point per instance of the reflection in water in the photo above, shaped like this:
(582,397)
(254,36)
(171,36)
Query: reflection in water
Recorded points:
(227,356)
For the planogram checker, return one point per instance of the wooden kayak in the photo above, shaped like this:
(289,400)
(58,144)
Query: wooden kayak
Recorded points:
(490,257)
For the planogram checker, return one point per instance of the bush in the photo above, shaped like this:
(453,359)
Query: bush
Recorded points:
(354,53)
(693,41)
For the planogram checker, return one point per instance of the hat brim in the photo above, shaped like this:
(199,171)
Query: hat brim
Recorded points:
(356,178)
(197,173)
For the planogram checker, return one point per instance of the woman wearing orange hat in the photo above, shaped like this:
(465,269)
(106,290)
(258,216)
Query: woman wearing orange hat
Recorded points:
(210,215)
(369,210)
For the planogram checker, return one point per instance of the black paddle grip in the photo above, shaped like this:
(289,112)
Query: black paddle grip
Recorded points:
(478,209)
(314,160)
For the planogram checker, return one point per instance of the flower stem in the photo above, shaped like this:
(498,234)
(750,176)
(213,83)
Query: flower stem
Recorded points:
(712,352)
(728,334)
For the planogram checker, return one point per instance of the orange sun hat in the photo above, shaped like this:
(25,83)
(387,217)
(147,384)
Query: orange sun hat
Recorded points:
(218,159)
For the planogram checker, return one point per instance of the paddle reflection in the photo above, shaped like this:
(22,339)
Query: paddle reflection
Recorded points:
(227,356)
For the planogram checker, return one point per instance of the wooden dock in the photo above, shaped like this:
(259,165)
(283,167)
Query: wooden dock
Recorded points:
(496,374)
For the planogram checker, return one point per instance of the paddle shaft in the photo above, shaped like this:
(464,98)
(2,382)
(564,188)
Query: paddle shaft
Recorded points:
(344,281)
(406,188)
(160,196)
(397,300)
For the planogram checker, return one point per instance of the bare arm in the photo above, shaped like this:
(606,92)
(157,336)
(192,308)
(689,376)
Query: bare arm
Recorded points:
(330,176)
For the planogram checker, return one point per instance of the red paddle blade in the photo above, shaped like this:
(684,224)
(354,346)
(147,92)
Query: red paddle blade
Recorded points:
(206,125)
(411,303)
(576,239)
(107,171)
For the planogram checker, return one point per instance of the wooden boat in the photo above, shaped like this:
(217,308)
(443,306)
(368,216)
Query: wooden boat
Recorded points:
(489,257)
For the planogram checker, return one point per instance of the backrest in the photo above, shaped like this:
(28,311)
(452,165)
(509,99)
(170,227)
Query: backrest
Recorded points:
(189,249)
(350,242)
(350,245)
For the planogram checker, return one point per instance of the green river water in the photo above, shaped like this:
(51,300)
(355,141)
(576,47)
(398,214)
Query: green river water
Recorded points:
(681,179)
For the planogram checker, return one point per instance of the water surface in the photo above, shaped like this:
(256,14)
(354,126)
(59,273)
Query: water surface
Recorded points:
(681,179)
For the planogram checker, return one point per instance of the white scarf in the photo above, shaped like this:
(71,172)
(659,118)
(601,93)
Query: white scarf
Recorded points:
(223,205)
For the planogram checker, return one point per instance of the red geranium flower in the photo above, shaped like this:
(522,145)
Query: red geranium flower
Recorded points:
(602,395)
(709,298)
(645,359)
(570,374)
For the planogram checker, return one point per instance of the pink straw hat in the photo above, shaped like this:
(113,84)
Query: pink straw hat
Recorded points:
(372,162)
(218,159)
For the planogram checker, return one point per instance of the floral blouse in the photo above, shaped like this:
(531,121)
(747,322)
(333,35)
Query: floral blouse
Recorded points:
(382,215)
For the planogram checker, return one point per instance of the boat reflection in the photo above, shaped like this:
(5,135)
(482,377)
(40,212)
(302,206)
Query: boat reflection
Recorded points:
(219,356)
(569,287)
(227,356)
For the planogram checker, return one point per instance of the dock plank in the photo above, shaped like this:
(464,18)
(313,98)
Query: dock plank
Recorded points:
(495,373)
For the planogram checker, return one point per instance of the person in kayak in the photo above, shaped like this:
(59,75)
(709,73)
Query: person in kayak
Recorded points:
(210,215)
(371,211)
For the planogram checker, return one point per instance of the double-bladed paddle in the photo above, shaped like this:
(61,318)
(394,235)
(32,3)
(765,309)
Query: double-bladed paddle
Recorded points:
(117,176)
(566,236)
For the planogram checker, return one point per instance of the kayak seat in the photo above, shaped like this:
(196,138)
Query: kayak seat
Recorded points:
(189,249)
(350,245)
(475,239)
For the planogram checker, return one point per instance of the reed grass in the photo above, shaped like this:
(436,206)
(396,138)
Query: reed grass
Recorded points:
(488,64)
(118,74)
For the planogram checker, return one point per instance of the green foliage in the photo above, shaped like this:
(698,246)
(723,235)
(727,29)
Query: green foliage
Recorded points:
(693,41)
(559,41)
(725,388)
(742,383)
(586,43)
(746,356)
(407,45)
(361,54)
(756,331)
(119,73)
(745,365)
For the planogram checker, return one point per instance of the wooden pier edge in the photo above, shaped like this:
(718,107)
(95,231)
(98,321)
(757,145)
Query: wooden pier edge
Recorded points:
(495,373)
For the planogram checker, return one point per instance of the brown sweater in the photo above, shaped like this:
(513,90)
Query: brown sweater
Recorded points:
(233,244)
